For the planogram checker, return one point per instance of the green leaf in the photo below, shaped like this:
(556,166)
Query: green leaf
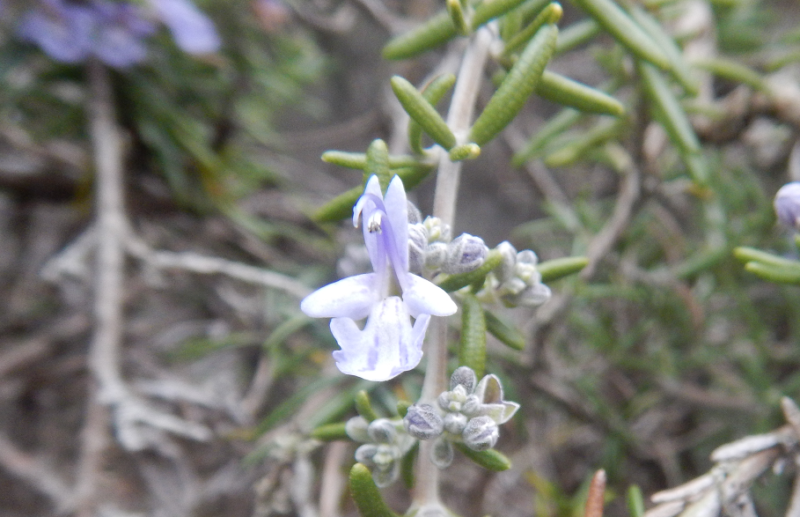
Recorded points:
(436,31)
(576,35)
(635,501)
(562,90)
(364,407)
(733,71)
(341,207)
(402,407)
(407,467)
(672,116)
(506,333)
(330,432)
(781,275)
(623,29)
(515,89)
(679,68)
(464,152)
(366,495)
(359,160)
(552,128)
(550,14)
(378,163)
(490,459)
(490,9)
(577,148)
(472,351)
(452,283)
(421,111)
(456,12)
(433,93)
(559,268)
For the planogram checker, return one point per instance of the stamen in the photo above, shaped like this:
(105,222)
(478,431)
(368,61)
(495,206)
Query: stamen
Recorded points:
(374,223)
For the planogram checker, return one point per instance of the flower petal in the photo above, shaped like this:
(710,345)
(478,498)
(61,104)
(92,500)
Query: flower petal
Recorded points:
(352,297)
(490,390)
(424,297)
(500,412)
(192,30)
(364,208)
(386,347)
(397,212)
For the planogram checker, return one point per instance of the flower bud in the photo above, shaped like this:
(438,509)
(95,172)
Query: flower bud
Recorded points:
(382,431)
(414,215)
(455,423)
(437,230)
(417,244)
(472,406)
(525,267)
(356,429)
(466,253)
(384,456)
(481,433)
(463,376)
(422,422)
(365,453)
(787,205)
(435,255)
(533,295)
(442,453)
(506,269)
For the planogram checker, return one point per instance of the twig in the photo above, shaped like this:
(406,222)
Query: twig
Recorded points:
(629,194)
(106,341)
(333,482)
(196,263)
(37,474)
(426,492)
(20,355)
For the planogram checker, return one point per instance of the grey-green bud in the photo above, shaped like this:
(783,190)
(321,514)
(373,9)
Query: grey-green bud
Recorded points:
(417,246)
(509,254)
(414,215)
(382,431)
(435,255)
(463,376)
(481,433)
(455,423)
(423,422)
(466,253)
(442,453)
(437,230)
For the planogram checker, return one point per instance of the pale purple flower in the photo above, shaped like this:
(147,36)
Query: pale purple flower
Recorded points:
(114,32)
(62,30)
(787,205)
(192,30)
(388,344)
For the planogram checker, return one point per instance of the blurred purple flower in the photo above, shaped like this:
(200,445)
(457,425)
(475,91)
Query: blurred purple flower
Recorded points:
(193,31)
(71,31)
(787,205)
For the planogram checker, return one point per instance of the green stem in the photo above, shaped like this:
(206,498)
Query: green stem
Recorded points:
(426,492)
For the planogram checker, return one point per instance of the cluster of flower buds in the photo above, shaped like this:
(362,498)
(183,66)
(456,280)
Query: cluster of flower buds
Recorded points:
(787,205)
(385,443)
(517,281)
(470,413)
(431,249)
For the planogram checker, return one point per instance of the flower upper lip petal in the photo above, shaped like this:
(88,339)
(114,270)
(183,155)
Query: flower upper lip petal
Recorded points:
(397,209)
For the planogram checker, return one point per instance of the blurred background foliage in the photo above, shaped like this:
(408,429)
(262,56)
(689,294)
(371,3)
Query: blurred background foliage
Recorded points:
(666,351)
